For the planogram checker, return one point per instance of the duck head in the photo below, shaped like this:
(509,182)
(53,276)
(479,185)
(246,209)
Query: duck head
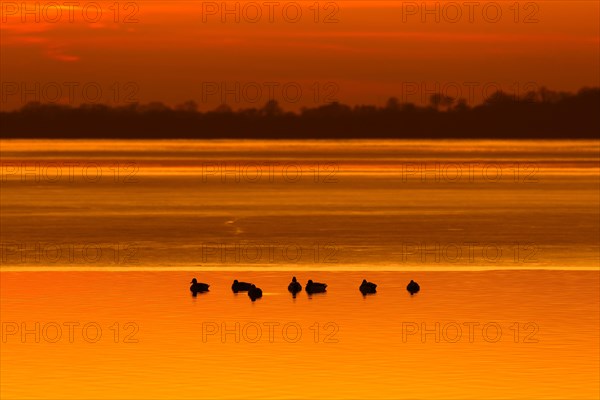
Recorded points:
(364,281)
(310,282)
(194,281)
(235,281)
(293,279)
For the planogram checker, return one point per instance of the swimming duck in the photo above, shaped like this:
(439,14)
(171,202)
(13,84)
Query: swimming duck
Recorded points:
(198,287)
(254,293)
(294,287)
(413,287)
(367,287)
(315,287)
(240,286)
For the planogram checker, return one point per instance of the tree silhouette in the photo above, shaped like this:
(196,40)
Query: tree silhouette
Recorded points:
(439,99)
(540,114)
(392,104)
(271,109)
(188,106)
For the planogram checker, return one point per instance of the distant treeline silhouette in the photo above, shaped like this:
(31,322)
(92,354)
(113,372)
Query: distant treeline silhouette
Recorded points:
(541,114)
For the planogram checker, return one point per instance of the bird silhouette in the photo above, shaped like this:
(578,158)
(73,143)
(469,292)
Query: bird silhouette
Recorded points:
(413,287)
(294,287)
(254,293)
(367,287)
(240,286)
(315,287)
(198,287)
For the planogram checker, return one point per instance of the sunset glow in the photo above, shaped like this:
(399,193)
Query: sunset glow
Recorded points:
(356,52)
(354,199)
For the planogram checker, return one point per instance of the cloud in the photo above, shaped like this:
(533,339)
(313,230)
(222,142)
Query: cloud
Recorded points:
(59,53)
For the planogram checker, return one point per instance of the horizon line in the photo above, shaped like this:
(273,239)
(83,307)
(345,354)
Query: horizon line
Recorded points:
(279,269)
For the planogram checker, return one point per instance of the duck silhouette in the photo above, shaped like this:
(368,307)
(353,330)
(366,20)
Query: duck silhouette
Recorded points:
(254,293)
(367,287)
(315,287)
(240,286)
(294,287)
(413,287)
(198,287)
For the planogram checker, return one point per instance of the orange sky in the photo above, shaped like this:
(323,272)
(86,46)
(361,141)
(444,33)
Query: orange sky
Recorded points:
(366,52)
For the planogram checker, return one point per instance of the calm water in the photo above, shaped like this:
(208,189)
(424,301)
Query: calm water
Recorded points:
(534,335)
(502,236)
(334,205)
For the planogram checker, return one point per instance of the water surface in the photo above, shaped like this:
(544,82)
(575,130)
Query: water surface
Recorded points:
(100,240)
(387,205)
(334,345)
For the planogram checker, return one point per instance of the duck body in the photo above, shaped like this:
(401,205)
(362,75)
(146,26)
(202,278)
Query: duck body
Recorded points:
(198,287)
(254,293)
(413,287)
(240,286)
(294,286)
(315,287)
(367,287)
